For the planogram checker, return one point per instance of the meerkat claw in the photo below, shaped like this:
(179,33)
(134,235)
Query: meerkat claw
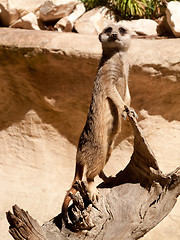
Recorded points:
(127,110)
(134,113)
(94,196)
(93,192)
(124,114)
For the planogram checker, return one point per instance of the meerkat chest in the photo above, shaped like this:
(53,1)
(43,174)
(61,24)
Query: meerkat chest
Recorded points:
(121,86)
(120,77)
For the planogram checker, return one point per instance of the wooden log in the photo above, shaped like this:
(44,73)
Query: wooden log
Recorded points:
(23,226)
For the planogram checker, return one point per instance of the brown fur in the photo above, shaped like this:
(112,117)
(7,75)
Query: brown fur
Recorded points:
(103,124)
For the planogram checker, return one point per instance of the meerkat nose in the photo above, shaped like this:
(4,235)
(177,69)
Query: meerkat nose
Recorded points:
(114,35)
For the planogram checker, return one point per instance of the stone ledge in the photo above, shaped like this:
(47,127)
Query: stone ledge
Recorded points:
(161,51)
(63,43)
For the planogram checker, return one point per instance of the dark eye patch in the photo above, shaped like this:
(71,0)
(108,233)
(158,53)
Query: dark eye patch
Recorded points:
(108,30)
(122,31)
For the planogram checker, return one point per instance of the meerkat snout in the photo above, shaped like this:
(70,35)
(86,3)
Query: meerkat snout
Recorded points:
(115,37)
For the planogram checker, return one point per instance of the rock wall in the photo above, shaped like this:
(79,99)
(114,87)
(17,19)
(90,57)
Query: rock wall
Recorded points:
(71,15)
(45,89)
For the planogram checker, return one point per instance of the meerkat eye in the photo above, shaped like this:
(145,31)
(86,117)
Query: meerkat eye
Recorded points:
(122,31)
(108,30)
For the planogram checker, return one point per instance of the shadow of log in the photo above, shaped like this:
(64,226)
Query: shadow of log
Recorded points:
(134,202)
(143,167)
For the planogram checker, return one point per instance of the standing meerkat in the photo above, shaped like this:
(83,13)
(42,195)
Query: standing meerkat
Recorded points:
(110,94)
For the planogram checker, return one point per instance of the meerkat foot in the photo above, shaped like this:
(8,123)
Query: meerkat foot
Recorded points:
(93,192)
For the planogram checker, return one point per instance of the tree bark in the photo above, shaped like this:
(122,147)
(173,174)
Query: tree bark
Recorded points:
(133,203)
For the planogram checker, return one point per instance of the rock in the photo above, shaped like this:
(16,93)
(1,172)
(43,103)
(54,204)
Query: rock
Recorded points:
(55,9)
(145,27)
(173,17)
(12,10)
(46,83)
(93,21)
(66,24)
(9,14)
(163,28)
(28,21)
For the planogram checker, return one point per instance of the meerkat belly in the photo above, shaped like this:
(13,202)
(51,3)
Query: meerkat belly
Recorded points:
(121,87)
(111,119)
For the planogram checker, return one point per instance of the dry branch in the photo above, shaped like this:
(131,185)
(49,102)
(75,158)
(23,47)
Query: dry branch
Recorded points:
(23,226)
(135,201)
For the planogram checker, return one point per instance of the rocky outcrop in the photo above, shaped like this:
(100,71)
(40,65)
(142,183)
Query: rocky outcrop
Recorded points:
(142,27)
(71,15)
(54,10)
(28,21)
(46,82)
(93,21)
(66,16)
(163,28)
(66,24)
(173,17)
(12,10)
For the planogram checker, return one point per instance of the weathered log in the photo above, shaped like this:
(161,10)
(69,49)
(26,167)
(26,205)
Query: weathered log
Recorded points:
(23,226)
(133,203)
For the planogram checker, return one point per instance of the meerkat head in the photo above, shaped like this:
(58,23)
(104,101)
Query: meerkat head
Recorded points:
(115,37)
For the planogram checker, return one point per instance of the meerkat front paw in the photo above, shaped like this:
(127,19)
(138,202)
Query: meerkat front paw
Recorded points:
(127,110)
(134,113)
(93,192)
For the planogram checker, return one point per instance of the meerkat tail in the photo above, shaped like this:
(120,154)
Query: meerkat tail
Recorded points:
(65,205)
(67,199)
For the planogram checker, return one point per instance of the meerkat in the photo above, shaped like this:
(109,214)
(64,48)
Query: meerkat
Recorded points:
(109,96)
